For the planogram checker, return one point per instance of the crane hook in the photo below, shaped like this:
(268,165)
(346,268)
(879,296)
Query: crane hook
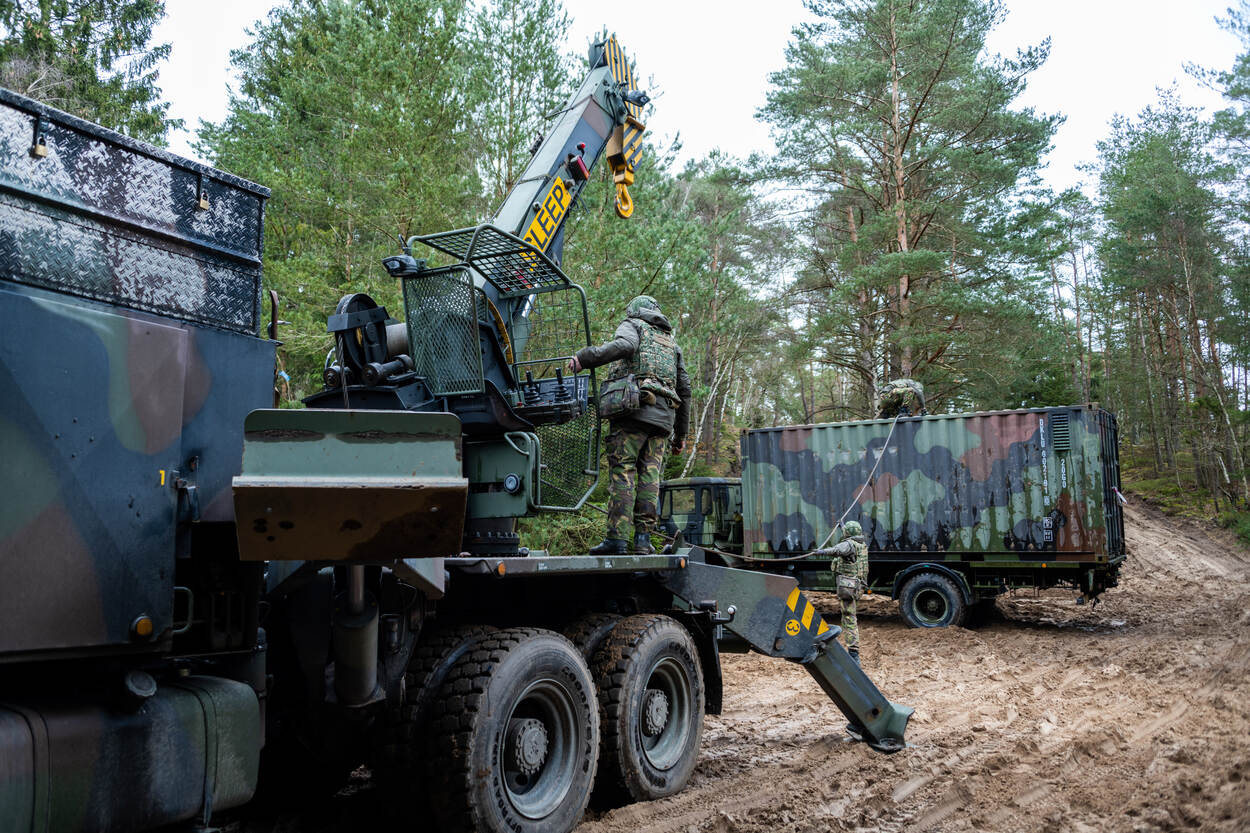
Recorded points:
(624,202)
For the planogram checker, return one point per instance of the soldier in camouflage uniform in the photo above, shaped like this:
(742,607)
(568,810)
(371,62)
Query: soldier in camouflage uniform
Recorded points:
(902,397)
(850,563)
(644,346)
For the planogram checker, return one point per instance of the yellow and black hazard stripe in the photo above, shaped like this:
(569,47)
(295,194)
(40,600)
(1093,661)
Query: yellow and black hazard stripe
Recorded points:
(625,144)
(632,141)
(622,71)
(808,620)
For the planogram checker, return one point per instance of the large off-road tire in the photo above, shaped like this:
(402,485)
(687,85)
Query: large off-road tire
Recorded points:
(400,753)
(515,736)
(931,600)
(651,706)
(588,632)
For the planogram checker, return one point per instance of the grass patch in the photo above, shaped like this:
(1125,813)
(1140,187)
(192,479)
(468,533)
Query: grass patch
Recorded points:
(1238,522)
(1176,493)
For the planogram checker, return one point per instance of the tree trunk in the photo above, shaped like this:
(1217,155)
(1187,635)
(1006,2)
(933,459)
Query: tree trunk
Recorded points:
(1059,318)
(900,193)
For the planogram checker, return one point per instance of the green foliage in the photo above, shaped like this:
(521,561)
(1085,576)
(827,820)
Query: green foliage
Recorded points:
(1165,270)
(1238,522)
(563,533)
(1175,492)
(91,58)
(357,114)
(519,63)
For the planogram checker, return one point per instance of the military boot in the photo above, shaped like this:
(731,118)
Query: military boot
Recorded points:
(610,546)
(642,544)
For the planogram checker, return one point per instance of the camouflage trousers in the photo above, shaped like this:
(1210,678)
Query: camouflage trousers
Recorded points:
(850,623)
(635,463)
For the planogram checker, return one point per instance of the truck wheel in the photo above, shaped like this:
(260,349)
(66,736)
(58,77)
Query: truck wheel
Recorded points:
(931,600)
(651,707)
(588,632)
(515,736)
(400,757)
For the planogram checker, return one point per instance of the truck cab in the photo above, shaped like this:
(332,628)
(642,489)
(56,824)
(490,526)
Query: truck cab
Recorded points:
(706,510)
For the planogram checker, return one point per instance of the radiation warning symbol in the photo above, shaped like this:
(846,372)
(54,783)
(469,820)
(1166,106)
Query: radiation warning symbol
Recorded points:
(792,627)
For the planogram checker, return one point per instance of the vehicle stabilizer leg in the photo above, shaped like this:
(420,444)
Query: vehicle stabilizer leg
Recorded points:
(881,722)
(776,619)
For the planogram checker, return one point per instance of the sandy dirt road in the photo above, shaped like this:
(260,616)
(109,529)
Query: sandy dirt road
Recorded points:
(1131,716)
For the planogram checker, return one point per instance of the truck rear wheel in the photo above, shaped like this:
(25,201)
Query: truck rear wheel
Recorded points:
(588,632)
(399,754)
(931,600)
(516,736)
(651,706)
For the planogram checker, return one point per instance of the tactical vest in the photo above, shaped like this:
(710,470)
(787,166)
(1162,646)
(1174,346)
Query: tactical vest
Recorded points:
(654,364)
(858,567)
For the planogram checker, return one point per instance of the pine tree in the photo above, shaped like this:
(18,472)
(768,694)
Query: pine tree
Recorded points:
(891,113)
(91,58)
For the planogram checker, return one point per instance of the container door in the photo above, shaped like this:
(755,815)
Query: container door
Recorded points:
(1109,457)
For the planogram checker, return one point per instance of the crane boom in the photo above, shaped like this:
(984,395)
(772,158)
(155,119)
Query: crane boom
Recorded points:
(602,115)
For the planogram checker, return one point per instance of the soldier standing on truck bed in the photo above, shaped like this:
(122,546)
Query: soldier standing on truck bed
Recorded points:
(646,398)
(902,397)
(850,563)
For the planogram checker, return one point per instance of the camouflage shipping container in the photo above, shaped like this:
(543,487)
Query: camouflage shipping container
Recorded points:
(1034,489)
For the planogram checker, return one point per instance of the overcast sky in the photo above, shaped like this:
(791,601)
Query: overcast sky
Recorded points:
(710,69)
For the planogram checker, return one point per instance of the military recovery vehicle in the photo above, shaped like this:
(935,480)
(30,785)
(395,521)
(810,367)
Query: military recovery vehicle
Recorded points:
(205,595)
(956,508)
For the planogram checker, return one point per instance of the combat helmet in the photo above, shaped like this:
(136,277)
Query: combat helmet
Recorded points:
(641,302)
(852,528)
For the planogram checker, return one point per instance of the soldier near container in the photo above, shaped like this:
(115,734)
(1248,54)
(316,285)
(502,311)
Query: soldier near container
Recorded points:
(850,564)
(902,397)
(646,399)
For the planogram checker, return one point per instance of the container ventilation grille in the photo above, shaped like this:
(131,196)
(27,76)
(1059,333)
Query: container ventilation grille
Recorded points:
(1061,430)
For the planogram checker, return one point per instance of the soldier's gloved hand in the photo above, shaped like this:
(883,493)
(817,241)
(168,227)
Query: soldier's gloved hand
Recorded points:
(574,364)
(678,445)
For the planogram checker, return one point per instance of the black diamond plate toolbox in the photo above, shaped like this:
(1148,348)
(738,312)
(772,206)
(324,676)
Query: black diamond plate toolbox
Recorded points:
(89,212)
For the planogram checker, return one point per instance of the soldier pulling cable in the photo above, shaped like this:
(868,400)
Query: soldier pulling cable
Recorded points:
(850,564)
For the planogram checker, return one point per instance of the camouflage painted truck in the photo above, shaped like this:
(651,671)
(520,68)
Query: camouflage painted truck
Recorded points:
(956,508)
(204,596)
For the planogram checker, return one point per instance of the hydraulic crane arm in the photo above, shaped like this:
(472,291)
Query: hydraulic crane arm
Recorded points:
(487,336)
(602,115)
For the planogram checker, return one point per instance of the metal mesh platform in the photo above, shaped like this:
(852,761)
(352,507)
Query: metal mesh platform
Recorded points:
(512,266)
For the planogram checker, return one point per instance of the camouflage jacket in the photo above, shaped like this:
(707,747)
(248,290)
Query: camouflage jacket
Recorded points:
(858,565)
(902,392)
(662,415)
